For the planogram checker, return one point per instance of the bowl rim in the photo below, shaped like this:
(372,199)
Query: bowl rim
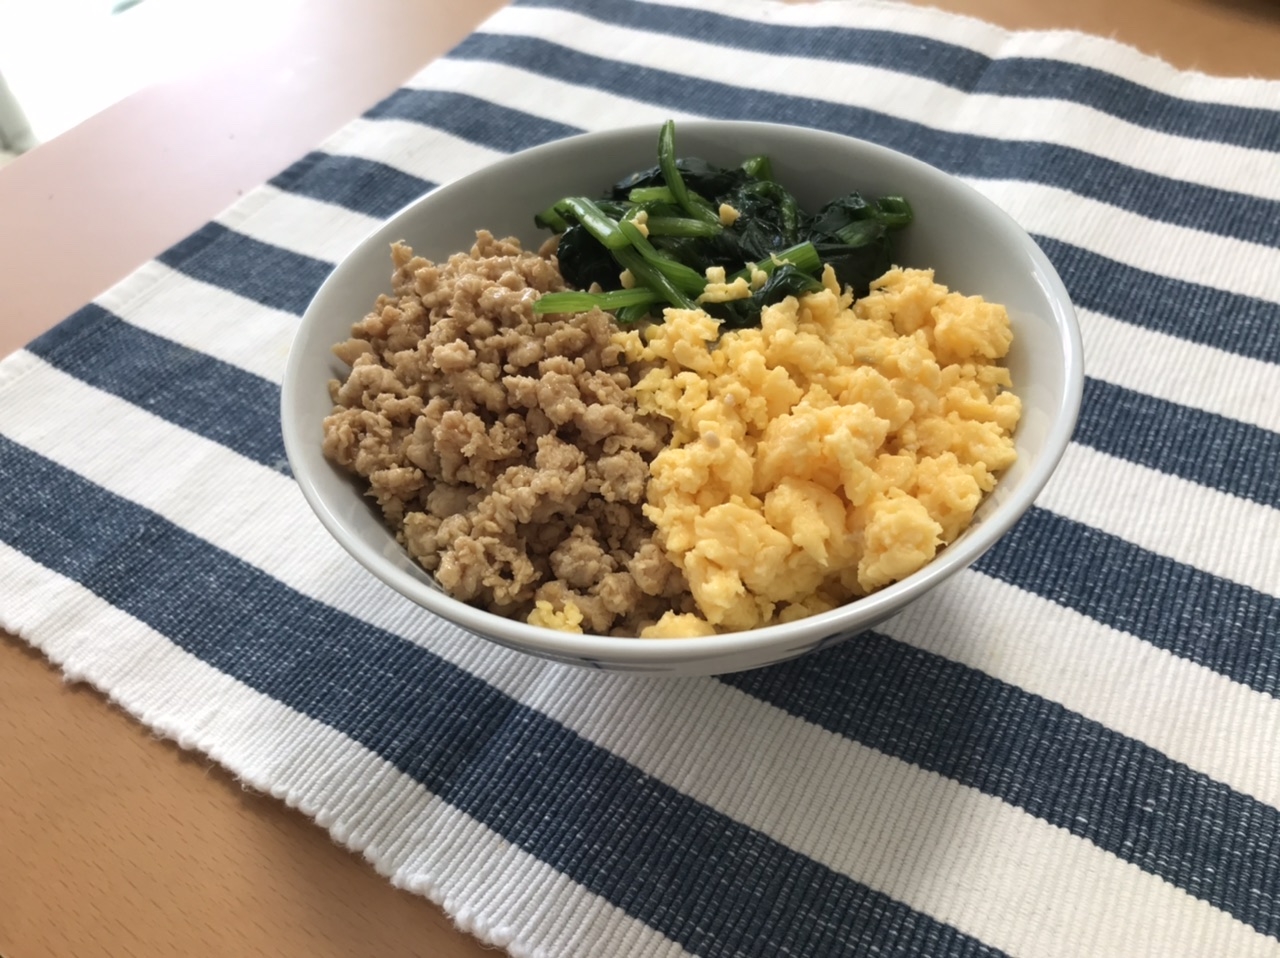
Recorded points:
(844,620)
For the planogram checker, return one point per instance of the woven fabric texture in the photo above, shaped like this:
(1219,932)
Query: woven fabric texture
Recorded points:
(1068,750)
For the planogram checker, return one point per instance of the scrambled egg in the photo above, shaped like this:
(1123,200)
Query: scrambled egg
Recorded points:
(827,454)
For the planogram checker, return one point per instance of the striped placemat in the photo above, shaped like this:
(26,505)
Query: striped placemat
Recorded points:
(1071,749)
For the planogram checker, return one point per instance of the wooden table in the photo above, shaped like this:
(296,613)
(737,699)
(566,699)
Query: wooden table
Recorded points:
(111,841)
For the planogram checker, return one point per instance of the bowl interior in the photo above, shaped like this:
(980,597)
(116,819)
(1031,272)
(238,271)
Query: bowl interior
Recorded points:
(973,247)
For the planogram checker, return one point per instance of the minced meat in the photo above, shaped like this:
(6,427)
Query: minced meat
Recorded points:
(505,449)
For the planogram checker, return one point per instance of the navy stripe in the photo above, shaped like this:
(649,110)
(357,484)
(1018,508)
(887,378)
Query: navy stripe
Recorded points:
(496,759)
(1160,198)
(952,65)
(1205,448)
(258,271)
(191,389)
(1219,624)
(712,884)
(1074,773)
(471,118)
(1232,322)
(1200,446)
(364,186)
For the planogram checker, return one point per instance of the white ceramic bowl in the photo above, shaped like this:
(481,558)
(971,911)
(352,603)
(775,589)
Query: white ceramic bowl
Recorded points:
(973,246)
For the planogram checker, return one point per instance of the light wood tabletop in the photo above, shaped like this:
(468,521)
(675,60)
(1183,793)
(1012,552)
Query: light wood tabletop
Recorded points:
(113,842)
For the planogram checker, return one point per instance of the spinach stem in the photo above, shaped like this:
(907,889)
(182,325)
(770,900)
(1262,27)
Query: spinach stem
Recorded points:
(651,194)
(572,301)
(647,275)
(550,219)
(684,278)
(758,167)
(803,256)
(894,212)
(681,226)
(861,232)
(633,313)
(595,221)
(671,173)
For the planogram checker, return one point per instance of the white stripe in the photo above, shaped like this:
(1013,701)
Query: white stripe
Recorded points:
(205,318)
(174,306)
(13,369)
(496,892)
(177,307)
(298,223)
(183,477)
(122,448)
(1181,371)
(1232,539)
(940,847)
(412,148)
(1216,261)
(1018,882)
(960,856)
(129,459)
(1176,252)
(1189,712)
(1122,60)
(1157,364)
(1216,532)
(1068,46)
(511,86)
(908,97)
(1160,248)
(1192,714)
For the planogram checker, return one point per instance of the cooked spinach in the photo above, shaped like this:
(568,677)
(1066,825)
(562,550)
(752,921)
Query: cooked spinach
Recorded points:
(584,261)
(698,175)
(681,199)
(787,280)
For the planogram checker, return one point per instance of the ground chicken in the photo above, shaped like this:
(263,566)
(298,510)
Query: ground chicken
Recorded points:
(505,449)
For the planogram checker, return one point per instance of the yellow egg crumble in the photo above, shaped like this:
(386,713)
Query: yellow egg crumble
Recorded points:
(826,454)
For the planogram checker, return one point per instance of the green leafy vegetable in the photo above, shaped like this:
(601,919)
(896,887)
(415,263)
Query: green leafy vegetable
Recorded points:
(572,301)
(596,221)
(681,276)
(803,256)
(699,176)
(758,167)
(584,262)
(680,226)
(663,225)
(652,278)
(787,280)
